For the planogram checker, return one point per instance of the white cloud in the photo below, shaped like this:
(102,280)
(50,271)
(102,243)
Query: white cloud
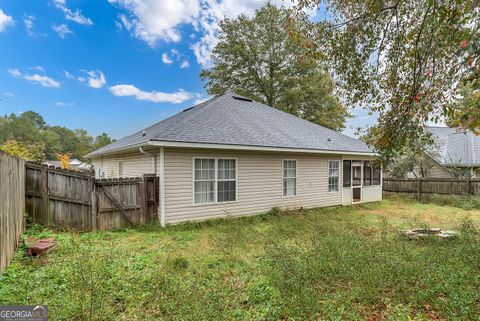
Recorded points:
(37,68)
(68,75)
(201,100)
(153,96)
(15,73)
(63,104)
(35,78)
(42,80)
(5,21)
(166,59)
(8,94)
(153,20)
(28,23)
(62,30)
(95,79)
(75,16)
(185,64)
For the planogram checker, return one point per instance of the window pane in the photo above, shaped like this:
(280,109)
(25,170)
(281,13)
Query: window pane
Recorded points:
(226,191)
(289,168)
(204,192)
(333,184)
(347,173)
(289,187)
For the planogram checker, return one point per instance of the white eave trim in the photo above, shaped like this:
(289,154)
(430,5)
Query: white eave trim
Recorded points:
(227,146)
(255,148)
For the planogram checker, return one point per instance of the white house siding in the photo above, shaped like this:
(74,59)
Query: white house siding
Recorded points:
(134,164)
(371,193)
(347,196)
(438,171)
(259,185)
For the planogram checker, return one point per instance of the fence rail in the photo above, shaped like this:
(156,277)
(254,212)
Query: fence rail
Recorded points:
(421,186)
(12,205)
(56,197)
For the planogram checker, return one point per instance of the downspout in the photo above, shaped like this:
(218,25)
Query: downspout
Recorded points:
(151,155)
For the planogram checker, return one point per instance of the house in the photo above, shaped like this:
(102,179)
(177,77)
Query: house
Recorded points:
(454,153)
(232,156)
(76,164)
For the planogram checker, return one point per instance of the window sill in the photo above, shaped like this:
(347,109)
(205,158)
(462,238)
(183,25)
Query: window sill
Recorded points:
(214,203)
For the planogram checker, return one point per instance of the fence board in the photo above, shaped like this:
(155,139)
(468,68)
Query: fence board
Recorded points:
(445,186)
(12,205)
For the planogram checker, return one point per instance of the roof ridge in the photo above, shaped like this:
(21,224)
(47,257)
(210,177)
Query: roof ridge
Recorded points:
(199,107)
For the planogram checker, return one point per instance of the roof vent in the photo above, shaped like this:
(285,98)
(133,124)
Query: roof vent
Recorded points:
(188,109)
(144,133)
(242,98)
(329,139)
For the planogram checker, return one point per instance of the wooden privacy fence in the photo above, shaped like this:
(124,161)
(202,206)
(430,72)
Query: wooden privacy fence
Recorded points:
(12,205)
(420,186)
(56,197)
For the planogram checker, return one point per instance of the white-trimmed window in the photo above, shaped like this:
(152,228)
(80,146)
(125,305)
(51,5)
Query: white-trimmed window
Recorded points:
(333,175)
(227,180)
(215,180)
(204,184)
(289,178)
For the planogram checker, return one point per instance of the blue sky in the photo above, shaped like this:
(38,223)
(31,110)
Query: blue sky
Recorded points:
(112,66)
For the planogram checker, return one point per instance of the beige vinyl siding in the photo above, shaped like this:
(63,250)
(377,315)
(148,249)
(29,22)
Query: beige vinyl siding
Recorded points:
(259,181)
(134,164)
(371,193)
(438,171)
(347,196)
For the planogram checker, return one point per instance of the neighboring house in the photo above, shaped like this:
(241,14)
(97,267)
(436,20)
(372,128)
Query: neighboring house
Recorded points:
(76,164)
(231,156)
(455,153)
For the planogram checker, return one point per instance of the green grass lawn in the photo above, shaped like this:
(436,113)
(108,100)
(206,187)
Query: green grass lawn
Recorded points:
(342,263)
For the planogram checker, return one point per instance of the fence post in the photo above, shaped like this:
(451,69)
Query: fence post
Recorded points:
(470,189)
(144,199)
(420,190)
(93,221)
(44,194)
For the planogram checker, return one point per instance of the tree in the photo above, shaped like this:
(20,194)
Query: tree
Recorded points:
(29,129)
(101,140)
(255,58)
(405,59)
(34,153)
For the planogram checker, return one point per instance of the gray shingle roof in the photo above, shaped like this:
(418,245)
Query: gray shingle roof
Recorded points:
(233,120)
(455,147)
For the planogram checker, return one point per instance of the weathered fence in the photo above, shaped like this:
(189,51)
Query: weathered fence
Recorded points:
(124,202)
(421,186)
(12,205)
(56,197)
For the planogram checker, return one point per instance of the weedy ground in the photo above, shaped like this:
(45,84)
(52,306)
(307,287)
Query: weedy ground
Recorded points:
(339,263)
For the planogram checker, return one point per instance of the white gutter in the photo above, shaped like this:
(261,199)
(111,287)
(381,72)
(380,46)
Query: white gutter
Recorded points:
(151,155)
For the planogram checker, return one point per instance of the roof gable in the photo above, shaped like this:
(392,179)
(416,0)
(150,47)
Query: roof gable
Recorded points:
(231,119)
